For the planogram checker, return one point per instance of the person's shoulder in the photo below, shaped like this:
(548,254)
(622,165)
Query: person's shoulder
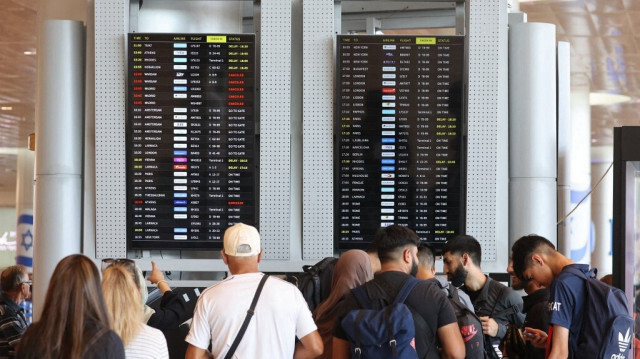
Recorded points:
(277,281)
(430,288)
(567,275)
(151,332)
(211,290)
(285,290)
(107,345)
(110,337)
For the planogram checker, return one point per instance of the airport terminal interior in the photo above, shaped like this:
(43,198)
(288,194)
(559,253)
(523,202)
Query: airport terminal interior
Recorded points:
(143,129)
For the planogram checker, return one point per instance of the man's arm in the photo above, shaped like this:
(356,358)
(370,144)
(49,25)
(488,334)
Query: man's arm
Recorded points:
(451,340)
(341,349)
(509,299)
(559,343)
(309,346)
(193,352)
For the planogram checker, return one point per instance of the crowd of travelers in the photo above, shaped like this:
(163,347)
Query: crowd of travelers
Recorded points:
(389,304)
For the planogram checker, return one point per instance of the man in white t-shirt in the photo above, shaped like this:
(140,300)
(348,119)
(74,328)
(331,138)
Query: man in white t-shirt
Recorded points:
(281,314)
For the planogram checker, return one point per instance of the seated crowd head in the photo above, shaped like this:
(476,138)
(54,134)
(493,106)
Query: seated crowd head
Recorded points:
(461,254)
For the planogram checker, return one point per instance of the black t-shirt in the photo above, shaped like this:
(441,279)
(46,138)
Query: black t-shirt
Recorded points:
(426,299)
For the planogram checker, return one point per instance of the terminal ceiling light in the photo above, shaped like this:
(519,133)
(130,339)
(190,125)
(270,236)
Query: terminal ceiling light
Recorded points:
(6,108)
(604,98)
(30,52)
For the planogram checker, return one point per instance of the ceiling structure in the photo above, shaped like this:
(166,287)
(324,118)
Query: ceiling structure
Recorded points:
(605,54)
(18,24)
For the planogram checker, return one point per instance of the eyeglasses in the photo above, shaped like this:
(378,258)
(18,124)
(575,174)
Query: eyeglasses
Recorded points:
(126,263)
(29,282)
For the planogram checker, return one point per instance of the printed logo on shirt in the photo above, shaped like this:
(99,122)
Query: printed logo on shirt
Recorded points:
(468,332)
(623,341)
(554,306)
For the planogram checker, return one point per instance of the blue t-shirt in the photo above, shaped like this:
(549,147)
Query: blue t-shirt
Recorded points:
(566,303)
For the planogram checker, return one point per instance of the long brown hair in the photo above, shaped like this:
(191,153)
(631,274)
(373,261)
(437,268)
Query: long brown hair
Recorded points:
(122,297)
(74,313)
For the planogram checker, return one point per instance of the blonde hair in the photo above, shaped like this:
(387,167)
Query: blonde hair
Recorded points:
(122,296)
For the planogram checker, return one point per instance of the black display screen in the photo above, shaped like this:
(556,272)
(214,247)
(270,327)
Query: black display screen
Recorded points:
(190,138)
(399,137)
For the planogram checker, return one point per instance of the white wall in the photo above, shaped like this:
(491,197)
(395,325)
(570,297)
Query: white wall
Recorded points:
(7,226)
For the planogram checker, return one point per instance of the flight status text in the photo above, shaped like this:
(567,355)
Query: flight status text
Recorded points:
(398,125)
(191,152)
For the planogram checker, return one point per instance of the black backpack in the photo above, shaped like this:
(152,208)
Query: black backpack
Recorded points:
(469,323)
(315,281)
(607,327)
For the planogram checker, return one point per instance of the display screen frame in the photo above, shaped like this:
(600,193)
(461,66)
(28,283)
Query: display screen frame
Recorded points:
(366,243)
(251,218)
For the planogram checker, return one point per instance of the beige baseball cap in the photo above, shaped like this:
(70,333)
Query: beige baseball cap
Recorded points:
(241,240)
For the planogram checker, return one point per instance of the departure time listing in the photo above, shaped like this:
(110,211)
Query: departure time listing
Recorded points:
(398,136)
(191,153)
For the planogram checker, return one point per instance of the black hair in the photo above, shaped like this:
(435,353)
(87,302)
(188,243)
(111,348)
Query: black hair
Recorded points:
(390,240)
(426,256)
(372,248)
(462,244)
(524,248)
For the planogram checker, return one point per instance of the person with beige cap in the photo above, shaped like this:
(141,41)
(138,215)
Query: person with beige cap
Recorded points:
(249,314)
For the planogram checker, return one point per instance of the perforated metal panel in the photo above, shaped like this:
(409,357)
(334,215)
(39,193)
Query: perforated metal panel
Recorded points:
(318,38)
(275,127)
(487,161)
(110,161)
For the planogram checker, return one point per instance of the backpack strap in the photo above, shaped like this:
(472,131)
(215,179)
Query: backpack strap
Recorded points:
(402,295)
(313,271)
(365,302)
(590,274)
(406,289)
(361,297)
(247,319)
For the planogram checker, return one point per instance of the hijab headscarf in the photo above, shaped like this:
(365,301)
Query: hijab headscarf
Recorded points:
(352,269)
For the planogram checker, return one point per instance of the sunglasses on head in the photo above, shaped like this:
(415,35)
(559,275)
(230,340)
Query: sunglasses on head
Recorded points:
(126,263)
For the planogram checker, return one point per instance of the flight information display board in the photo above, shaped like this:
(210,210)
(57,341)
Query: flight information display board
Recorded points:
(191,148)
(399,137)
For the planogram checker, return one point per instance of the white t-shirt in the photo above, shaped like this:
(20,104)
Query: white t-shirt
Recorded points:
(280,316)
(148,344)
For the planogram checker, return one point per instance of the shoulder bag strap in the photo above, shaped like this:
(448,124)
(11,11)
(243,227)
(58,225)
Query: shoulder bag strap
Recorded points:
(500,294)
(247,319)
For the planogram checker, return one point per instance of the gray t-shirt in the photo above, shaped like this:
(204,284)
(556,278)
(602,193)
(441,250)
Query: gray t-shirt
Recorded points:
(464,298)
